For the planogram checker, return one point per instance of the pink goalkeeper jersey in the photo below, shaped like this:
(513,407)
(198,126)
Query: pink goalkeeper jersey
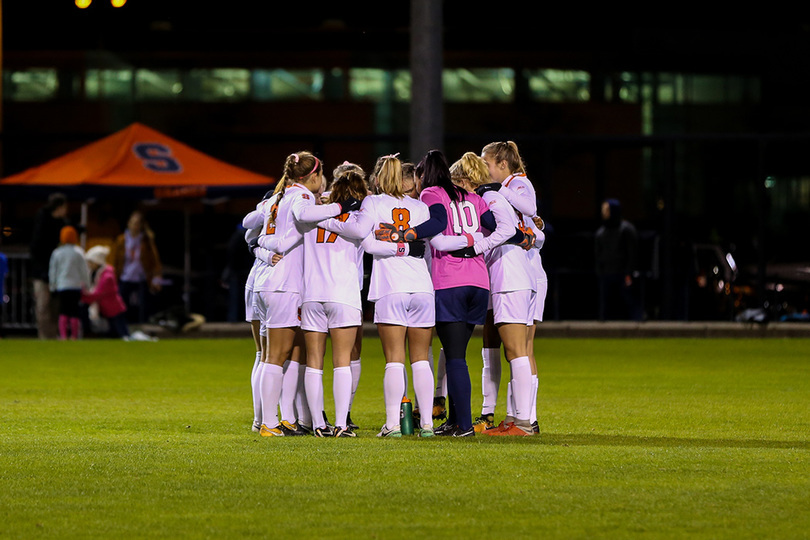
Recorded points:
(462,217)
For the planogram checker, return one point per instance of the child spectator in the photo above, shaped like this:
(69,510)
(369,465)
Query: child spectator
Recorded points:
(104,292)
(68,276)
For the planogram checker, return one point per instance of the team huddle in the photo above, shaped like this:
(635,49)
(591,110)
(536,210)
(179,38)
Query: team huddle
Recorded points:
(452,247)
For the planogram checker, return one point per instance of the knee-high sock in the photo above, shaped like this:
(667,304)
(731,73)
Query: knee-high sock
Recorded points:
(63,326)
(356,370)
(459,389)
(301,406)
(510,402)
(393,391)
(522,388)
(289,389)
(535,387)
(422,388)
(441,375)
(313,384)
(490,379)
(75,327)
(271,391)
(255,389)
(342,390)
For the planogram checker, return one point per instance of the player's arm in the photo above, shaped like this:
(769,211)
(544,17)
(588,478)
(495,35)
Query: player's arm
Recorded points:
(451,242)
(357,226)
(253,219)
(521,197)
(505,224)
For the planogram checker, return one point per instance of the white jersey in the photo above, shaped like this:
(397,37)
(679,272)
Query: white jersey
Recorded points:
(261,280)
(509,268)
(330,260)
(296,214)
(519,191)
(391,273)
(252,222)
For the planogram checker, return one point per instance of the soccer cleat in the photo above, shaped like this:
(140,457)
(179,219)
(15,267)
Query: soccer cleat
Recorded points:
(394,433)
(426,431)
(271,432)
(349,422)
(535,428)
(323,432)
(344,432)
(417,417)
(439,408)
(291,430)
(442,429)
(458,432)
(484,422)
(257,427)
(305,428)
(511,429)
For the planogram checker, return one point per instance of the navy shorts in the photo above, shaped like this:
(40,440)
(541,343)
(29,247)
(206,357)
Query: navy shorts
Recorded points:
(462,304)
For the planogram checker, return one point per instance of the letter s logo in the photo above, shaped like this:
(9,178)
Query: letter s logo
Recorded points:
(157,157)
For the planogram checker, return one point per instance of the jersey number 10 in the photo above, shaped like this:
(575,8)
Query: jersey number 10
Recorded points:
(463,217)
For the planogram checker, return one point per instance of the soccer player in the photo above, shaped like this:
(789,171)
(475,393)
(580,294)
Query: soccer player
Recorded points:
(402,292)
(297,210)
(331,302)
(508,174)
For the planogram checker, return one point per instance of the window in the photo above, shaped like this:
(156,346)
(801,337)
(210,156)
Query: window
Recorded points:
(558,85)
(108,84)
(284,84)
(479,85)
(221,84)
(33,84)
(162,84)
(379,85)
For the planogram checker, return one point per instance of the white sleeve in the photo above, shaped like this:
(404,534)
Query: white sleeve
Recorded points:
(280,243)
(309,212)
(505,220)
(357,226)
(264,255)
(253,219)
(452,242)
(521,197)
(540,235)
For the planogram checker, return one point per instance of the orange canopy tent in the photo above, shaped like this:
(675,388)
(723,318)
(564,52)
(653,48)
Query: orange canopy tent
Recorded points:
(143,160)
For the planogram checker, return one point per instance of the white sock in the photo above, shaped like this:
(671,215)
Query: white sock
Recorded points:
(289,388)
(255,389)
(313,383)
(510,400)
(393,392)
(533,410)
(441,376)
(422,387)
(342,390)
(522,387)
(490,379)
(301,407)
(356,370)
(270,383)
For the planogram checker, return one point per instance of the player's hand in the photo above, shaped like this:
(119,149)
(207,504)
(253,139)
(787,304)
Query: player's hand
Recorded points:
(253,243)
(416,249)
(494,186)
(276,258)
(464,253)
(349,204)
(528,239)
(539,223)
(387,233)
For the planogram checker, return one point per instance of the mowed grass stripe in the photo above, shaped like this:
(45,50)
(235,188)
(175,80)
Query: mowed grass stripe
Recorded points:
(655,438)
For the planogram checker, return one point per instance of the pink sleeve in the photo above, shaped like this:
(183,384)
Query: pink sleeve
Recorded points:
(430,197)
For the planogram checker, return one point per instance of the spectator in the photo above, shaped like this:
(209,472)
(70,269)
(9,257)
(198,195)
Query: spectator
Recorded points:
(48,223)
(137,266)
(68,277)
(104,292)
(616,246)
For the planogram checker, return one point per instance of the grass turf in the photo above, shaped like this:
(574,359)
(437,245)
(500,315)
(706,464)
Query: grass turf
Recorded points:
(658,438)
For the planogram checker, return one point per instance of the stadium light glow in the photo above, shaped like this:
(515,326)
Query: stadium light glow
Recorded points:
(83,4)
(118,3)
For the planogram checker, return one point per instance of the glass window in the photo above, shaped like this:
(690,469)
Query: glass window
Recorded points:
(287,84)
(33,84)
(108,84)
(221,84)
(164,84)
(479,85)
(707,89)
(379,84)
(558,84)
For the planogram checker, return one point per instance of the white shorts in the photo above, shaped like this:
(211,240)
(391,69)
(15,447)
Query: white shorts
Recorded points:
(513,307)
(278,309)
(321,316)
(540,300)
(249,315)
(414,310)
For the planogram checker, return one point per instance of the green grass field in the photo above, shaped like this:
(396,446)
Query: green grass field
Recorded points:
(657,438)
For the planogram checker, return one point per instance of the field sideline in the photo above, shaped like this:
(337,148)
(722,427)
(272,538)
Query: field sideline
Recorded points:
(653,438)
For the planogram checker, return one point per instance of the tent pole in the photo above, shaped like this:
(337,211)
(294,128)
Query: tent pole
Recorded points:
(187,258)
(83,223)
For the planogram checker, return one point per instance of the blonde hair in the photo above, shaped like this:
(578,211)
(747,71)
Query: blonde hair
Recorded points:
(506,151)
(297,166)
(471,168)
(388,173)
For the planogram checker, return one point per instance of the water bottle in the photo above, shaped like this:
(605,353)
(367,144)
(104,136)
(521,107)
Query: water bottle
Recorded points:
(406,416)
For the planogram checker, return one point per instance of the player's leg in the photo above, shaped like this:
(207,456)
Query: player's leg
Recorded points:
(356,367)
(392,338)
(490,374)
(314,326)
(343,339)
